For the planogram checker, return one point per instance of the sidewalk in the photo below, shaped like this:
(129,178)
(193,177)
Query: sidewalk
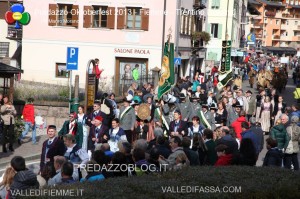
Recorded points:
(26,150)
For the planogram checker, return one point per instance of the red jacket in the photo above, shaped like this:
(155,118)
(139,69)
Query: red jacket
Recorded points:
(237,126)
(224,160)
(28,113)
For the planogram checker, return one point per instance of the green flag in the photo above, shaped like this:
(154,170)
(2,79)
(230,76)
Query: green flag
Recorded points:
(167,77)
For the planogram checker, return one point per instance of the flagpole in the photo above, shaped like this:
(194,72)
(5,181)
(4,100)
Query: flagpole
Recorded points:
(163,32)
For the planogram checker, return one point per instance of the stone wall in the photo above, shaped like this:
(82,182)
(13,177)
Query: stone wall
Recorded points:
(53,115)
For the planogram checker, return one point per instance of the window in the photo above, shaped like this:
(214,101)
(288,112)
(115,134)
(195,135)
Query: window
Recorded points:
(63,15)
(134,18)
(287,22)
(214,30)
(61,70)
(277,22)
(100,16)
(187,22)
(287,1)
(215,4)
(182,21)
(296,22)
(4,49)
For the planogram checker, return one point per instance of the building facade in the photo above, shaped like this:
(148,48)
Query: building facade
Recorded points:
(275,24)
(218,20)
(122,34)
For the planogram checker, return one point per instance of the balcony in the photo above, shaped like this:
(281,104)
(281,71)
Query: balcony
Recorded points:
(270,14)
(199,4)
(296,28)
(14,34)
(277,37)
(296,38)
(287,16)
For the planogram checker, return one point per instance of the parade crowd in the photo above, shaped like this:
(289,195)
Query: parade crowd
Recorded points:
(193,124)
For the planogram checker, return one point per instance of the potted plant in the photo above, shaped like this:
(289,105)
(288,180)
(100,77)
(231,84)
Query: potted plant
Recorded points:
(205,36)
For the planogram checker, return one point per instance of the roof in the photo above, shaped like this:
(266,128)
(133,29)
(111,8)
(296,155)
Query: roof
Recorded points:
(280,49)
(6,69)
(273,3)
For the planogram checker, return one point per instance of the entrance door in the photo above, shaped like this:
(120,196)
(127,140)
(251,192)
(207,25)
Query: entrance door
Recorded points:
(126,73)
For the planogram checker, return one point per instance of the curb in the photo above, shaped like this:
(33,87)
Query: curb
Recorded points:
(27,158)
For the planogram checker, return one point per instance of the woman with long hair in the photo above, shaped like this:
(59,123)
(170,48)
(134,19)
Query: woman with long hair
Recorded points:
(8,178)
(279,108)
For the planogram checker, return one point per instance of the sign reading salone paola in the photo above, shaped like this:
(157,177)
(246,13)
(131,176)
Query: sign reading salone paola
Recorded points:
(17,16)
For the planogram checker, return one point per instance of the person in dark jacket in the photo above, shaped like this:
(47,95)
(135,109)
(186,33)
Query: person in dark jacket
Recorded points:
(162,147)
(279,133)
(192,155)
(256,129)
(247,133)
(274,155)
(210,153)
(66,173)
(247,155)
(92,173)
(229,141)
(24,178)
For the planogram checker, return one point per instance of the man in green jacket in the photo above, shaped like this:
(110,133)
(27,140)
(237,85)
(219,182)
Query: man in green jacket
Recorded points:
(73,127)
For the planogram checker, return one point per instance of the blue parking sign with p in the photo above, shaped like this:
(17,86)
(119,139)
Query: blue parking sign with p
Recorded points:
(72,58)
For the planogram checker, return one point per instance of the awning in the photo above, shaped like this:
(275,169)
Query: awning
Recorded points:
(279,50)
(274,4)
(6,69)
(254,2)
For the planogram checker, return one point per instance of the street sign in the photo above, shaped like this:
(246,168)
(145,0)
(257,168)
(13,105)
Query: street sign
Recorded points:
(226,56)
(177,61)
(251,39)
(72,58)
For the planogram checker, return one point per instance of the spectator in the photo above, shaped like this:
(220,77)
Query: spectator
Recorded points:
(247,155)
(229,141)
(56,179)
(278,133)
(101,159)
(224,155)
(24,178)
(192,155)
(199,147)
(291,152)
(106,149)
(177,149)
(274,155)
(141,164)
(66,173)
(47,173)
(181,162)
(247,133)
(93,172)
(125,148)
(210,154)
(256,129)
(161,145)
(236,125)
(119,159)
(7,181)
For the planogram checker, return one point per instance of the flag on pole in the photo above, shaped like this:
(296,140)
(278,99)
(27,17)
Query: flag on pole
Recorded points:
(167,76)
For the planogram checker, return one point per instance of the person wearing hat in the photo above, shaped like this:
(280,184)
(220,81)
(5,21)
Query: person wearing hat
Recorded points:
(195,108)
(234,113)
(250,105)
(52,147)
(28,117)
(98,133)
(72,126)
(161,114)
(184,107)
(141,130)
(150,134)
(207,118)
(127,118)
(241,98)
(178,127)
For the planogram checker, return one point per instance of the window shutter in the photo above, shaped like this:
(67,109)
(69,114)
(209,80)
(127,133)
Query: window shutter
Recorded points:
(52,14)
(111,17)
(145,19)
(213,3)
(75,16)
(220,31)
(87,18)
(208,28)
(121,18)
